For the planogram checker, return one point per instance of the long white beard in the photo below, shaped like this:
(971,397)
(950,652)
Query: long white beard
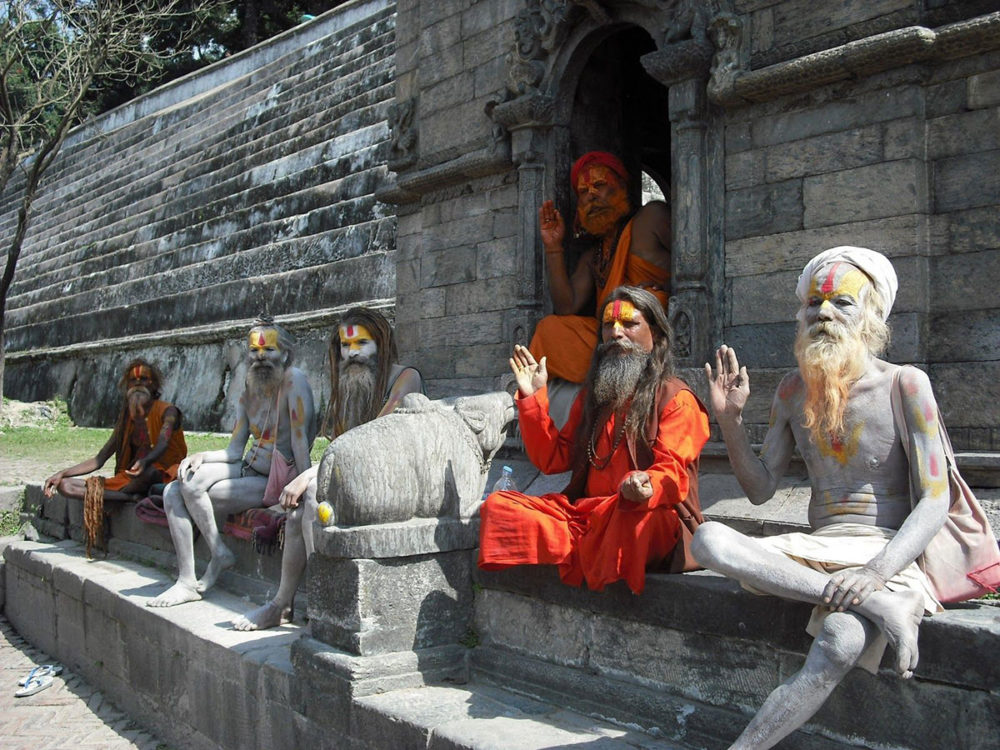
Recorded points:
(357,392)
(618,372)
(829,365)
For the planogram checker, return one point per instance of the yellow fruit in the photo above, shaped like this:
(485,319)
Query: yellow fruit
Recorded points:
(324,513)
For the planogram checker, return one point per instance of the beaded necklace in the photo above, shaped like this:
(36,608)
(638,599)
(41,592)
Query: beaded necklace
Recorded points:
(601,462)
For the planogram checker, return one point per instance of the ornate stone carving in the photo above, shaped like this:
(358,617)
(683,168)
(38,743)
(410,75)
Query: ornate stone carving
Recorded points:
(402,134)
(726,33)
(428,459)
(681,323)
(539,28)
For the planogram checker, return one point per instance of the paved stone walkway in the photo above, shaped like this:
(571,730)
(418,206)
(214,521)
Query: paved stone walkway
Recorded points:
(69,714)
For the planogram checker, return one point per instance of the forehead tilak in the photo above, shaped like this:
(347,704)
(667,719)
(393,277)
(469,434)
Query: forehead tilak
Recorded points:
(620,310)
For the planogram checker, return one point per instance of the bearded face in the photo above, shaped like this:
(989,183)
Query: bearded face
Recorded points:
(831,346)
(620,365)
(602,201)
(267,361)
(357,375)
(139,385)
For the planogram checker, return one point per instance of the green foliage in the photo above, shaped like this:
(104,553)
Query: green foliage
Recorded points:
(10,522)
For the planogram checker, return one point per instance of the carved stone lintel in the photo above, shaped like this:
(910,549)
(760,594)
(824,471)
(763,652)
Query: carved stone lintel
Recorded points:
(486,161)
(680,61)
(866,56)
(530,110)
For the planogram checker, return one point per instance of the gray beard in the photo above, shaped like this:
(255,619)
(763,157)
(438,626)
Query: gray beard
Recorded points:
(618,374)
(357,392)
(264,380)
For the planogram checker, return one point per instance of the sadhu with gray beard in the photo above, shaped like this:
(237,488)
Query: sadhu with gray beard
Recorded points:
(147,442)
(632,440)
(366,382)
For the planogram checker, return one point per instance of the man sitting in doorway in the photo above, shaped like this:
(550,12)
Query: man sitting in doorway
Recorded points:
(629,248)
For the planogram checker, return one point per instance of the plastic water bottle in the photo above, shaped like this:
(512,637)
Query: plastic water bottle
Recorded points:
(506,481)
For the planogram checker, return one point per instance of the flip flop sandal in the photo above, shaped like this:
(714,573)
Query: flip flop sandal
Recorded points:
(44,669)
(35,684)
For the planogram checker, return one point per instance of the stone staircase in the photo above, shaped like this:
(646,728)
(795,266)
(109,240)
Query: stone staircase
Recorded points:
(168,224)
(269,175)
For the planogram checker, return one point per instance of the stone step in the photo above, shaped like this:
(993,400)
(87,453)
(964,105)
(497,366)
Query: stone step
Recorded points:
(371,276)
(341,56)
(121,193)
(311,90)
(311,211)
(196,682)
(694,656)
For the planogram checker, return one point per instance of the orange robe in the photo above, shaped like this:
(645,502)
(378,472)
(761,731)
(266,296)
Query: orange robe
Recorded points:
(167,463)
(600,538)
(569,340)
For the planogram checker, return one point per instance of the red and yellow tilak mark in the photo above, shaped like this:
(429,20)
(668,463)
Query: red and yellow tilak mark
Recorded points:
(353,336)
(851,283)
(619,312)
(140,372)
(840,449)
(263,338)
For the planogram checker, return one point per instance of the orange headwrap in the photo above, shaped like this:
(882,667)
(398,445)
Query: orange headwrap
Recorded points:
(603,158)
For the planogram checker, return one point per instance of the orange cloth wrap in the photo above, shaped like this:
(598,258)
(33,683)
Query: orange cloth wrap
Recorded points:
(601,538)
(167,463)
(569,340)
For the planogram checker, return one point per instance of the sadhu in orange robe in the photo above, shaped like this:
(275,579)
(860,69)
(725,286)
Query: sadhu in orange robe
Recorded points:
(569,340)
(598,538)
(167,463)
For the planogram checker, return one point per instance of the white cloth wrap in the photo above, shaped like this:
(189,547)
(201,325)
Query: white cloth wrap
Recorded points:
(875,265)
(848,545)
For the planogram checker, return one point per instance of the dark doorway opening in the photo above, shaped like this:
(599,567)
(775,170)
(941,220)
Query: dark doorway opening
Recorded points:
(618,107)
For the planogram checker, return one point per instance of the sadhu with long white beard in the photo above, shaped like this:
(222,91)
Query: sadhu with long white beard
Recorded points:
(858,564)
(147,442)
(633,439)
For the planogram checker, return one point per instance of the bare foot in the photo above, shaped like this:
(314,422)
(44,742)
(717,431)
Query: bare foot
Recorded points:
(898,614)
(179,593)
(219,562)
(269,615)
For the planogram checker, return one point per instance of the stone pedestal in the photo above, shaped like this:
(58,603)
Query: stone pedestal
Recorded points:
(393,587)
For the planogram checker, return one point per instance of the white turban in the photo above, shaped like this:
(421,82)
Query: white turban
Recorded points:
(873,264)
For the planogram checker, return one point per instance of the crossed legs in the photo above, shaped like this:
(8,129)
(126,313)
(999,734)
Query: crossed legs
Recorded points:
(216,488)
(298,547)
(835,651)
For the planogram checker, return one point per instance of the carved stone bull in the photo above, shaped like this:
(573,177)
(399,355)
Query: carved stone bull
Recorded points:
(427,459)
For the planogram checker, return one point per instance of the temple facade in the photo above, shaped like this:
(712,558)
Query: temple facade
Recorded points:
(395,154)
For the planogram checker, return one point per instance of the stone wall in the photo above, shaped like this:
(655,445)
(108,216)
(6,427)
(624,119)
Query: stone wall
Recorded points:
(777,127)
(168,224)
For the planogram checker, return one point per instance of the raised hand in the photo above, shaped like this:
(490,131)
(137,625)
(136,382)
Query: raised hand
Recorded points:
(530,375)
(551,227)
(729,387)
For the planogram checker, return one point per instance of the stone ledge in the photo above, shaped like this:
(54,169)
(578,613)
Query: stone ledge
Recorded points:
(419,536)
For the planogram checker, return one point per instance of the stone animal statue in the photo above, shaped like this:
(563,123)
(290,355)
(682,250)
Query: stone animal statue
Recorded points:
(428,459)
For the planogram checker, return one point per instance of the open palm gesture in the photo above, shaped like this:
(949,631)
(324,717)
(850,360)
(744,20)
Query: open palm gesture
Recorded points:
(530,375)
(729,387)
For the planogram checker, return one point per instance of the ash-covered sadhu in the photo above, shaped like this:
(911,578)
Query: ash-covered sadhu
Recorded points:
(632,441)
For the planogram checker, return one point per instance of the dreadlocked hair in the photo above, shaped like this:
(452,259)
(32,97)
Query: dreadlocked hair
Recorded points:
(93,513)
(659,366)
(385,341)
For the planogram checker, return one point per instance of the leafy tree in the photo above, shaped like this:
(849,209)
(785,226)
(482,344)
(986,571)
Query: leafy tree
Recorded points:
(225,29)
(52,54)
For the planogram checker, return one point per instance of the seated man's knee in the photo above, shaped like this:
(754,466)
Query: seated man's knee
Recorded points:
(841,641)
(709,542)
(173,500)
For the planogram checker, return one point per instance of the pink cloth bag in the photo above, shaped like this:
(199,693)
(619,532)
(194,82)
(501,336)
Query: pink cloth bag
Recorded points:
(962,561)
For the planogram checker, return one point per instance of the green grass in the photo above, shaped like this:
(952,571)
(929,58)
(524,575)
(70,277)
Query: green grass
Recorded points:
(10,522)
